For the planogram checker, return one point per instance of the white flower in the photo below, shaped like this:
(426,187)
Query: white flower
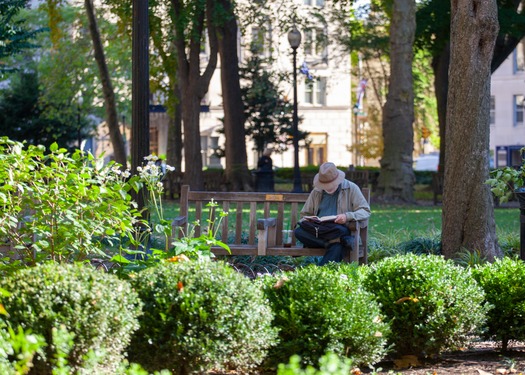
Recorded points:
(151,158)
(344,277)
(169,168)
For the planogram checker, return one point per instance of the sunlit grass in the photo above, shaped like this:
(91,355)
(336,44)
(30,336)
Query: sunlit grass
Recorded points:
(402,223)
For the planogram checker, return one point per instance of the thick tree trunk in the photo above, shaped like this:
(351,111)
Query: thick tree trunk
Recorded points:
(505,45)
(396,180)
(115,136)
(468,215)
(174,151)
(440,64)
(192,140)
(193,84)
(237,173)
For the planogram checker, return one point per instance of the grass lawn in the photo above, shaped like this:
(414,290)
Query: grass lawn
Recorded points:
(425,220)
(407,222)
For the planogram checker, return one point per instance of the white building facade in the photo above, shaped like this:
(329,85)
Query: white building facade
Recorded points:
(507,126)
(324,104)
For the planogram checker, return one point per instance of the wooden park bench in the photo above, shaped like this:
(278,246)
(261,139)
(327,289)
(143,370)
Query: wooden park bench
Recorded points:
(255,223)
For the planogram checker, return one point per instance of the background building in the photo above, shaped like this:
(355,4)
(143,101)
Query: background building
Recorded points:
(507,128)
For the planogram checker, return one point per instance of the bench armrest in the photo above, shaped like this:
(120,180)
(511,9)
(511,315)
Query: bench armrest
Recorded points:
(265,234)
(177,223)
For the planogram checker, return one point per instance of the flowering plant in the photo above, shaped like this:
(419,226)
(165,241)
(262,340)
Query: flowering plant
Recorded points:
(149,178)
(504,182)
(197,247)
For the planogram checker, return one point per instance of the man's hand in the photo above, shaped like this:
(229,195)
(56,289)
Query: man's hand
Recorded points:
(340,219)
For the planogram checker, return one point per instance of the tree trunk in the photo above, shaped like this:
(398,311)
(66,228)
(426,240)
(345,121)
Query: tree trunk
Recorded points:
(237,173)
(193,84)
(174,151)
(440,65)
(396,180)
(505,45)
(468,215)
(119,150)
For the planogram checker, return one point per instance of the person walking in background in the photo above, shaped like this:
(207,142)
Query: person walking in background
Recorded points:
(333,195)
(264,174)
(265,162)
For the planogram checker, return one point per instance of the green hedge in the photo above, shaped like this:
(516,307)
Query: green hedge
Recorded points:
(97,308)
(200,315)
(324,309)
(504,284)
(431,304)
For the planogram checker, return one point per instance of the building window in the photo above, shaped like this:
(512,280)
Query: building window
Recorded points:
(318,3)
(260,42)
(492,110)
(309,93)
(320,93)
(315,92)
(315,43)
(257,44)
(519,57)
(518,110)
(317,148)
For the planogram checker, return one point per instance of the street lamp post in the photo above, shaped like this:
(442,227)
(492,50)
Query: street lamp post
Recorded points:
(294,38)
(356,135)
(80,100)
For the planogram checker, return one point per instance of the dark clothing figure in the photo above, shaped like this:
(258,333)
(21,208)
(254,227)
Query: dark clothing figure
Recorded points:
(264,173)
(265,163)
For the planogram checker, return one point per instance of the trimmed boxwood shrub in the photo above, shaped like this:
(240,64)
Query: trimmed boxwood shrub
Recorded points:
(431,303)
(504,285)
(97,308)
(200,315)
(325,309)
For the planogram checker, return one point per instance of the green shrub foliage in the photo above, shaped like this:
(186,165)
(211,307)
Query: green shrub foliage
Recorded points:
(60,206)
(200,315)
(97,308)
(17,349)
(329,364)
(504,285)
(325,309)
(430,303)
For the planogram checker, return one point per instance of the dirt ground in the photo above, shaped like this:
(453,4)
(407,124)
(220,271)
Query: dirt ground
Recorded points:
(484,358)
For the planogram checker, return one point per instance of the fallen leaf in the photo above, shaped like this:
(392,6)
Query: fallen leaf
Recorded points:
(481,372)
(406,361)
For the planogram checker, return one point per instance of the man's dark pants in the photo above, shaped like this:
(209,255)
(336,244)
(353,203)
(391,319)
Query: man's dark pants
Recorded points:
(334,250)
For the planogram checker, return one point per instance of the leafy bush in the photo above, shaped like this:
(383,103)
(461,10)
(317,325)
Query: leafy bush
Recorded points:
(97,309)
(325,309)
(329,364)
(421,245)
(504,285)
(200,315)
(430,303)
(58,206)
(17,348)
